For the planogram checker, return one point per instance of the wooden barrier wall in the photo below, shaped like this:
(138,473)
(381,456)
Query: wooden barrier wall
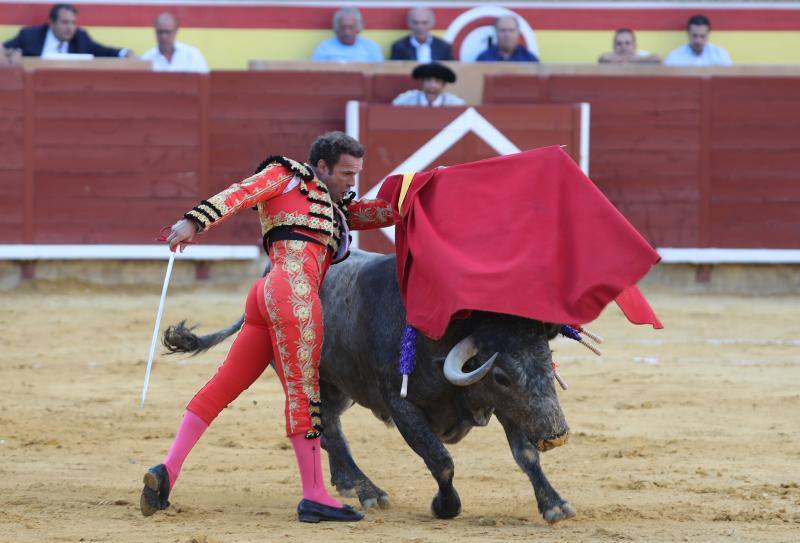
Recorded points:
(13,201)
(691,161)
(102,156)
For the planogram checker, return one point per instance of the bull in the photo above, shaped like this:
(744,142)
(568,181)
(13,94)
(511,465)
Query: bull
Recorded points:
(487,364)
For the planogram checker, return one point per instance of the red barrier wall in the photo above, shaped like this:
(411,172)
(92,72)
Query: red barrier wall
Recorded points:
(691,161)
(101,157)
(108,157)
(12,157)
(112,153)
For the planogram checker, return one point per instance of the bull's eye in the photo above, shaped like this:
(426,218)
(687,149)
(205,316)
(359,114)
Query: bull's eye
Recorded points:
(501,378)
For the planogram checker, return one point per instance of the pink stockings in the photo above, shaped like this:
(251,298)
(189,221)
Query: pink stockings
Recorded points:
(307,452)
(309,462)
(190,430)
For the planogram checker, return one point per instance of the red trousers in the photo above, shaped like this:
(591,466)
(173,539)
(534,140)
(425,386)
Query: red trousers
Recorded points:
(283,322)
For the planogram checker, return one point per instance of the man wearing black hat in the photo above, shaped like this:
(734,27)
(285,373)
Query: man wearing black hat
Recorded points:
(434,77)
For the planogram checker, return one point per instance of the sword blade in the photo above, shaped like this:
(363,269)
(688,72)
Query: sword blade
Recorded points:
(156,327)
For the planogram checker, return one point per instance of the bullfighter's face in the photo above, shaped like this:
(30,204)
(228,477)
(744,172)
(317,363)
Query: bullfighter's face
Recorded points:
(342,177)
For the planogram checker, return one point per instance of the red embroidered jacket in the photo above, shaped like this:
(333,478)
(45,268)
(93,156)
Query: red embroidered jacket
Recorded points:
(287,194)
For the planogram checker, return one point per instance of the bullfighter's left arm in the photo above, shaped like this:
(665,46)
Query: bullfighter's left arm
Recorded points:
(369,214)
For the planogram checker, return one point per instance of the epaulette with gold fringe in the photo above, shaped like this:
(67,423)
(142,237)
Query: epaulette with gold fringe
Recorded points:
(302,170)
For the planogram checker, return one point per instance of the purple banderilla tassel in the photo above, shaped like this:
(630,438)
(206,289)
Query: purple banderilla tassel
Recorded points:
(572,333)
(408,353)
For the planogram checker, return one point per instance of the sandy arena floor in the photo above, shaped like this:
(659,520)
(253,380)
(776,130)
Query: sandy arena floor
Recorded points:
(686,434)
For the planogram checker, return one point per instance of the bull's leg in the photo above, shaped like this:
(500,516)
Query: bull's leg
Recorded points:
(346,476)
(551,506)
(416,430)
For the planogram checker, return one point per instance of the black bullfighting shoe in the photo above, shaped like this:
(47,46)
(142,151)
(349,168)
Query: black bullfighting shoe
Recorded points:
(308,511)
(155,491)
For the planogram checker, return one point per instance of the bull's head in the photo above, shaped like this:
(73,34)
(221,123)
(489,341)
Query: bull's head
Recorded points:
(510,369)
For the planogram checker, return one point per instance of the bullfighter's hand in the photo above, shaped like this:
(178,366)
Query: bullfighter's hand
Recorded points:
(183,230)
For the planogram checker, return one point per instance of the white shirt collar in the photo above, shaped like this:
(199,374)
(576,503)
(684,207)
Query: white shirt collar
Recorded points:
(424,53)
(51,43)
(417,44)
(423,99)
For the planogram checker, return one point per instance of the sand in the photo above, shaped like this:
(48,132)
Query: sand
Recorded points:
(685,434)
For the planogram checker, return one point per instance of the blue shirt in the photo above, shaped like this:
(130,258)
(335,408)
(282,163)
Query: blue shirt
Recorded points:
(711,55)
(363,50)
(520,54)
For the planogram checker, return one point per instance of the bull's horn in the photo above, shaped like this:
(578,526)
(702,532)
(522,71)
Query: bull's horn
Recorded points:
(458,356)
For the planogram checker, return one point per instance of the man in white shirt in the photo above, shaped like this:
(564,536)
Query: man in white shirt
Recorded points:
(171,55)
(698,52)
(434,77)
(347,45)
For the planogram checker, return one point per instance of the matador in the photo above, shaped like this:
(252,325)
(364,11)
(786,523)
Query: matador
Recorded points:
(306,212)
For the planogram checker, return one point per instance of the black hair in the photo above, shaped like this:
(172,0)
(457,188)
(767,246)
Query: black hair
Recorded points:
(624,31)
(58,7)
(331,146)
(698,20)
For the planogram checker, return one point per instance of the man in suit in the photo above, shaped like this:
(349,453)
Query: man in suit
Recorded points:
(421,45)
(60,35)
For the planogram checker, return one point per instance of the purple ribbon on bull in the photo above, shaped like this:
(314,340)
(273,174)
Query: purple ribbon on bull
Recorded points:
(408,353)
(572,333)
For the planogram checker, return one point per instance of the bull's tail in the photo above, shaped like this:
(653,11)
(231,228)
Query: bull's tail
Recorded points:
(180,338)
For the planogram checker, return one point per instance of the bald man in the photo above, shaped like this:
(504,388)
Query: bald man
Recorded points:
(421,45)
(508,48)
(170,55)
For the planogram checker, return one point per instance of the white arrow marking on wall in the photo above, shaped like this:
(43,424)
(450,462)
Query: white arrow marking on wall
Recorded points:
(469,121)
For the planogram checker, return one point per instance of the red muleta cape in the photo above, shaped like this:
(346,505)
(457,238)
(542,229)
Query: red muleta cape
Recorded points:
(525,234)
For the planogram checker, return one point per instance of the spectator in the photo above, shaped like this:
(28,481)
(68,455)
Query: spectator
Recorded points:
(508,47)
(625,50)
(698,52)
(434,77)
(61,35)
(171,55)
(347,45)
(421,45)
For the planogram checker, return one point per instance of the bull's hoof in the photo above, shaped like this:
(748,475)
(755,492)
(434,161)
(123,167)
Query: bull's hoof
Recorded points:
(446,506)
(559,512)
(381,502)
(370,496)
(346,492)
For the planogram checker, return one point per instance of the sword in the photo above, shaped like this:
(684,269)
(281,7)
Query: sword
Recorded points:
(157,326)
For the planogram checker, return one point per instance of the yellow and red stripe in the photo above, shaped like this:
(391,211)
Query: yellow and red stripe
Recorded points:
(229,34)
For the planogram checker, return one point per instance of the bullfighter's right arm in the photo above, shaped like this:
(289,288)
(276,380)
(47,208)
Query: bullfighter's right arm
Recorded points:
(369,214)
(265,185)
